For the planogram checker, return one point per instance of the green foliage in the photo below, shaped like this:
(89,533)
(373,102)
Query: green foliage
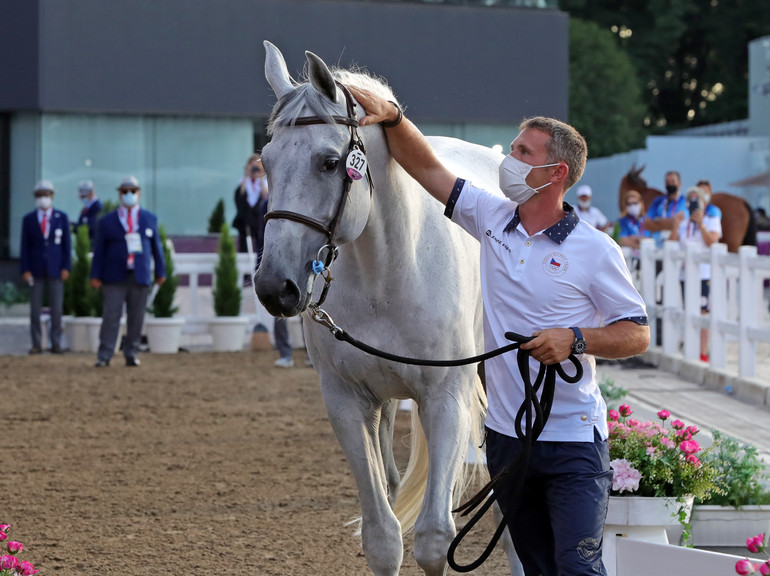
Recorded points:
(741,473)
(217,217)
(83,296)
(690,56)
(605,100)
(10,294)
(227,291)
(610,392)
(163,304)
(107,207)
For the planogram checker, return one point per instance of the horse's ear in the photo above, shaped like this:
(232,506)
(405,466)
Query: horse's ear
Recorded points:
(276,72)
(321,77)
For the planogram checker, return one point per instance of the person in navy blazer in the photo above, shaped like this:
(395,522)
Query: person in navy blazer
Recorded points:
(126,244)
(46,258)
(89,215)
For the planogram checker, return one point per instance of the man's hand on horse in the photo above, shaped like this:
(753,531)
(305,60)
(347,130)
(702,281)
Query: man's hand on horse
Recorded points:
(550,346)
(377,109)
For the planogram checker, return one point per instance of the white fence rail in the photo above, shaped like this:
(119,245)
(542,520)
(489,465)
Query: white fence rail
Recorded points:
(739,309)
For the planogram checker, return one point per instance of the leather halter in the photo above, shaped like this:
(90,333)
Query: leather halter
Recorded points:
(329,230)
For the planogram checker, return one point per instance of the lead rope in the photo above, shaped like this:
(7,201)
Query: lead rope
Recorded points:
(546,377)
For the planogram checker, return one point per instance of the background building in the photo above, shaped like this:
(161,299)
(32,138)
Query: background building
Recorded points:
(173,91)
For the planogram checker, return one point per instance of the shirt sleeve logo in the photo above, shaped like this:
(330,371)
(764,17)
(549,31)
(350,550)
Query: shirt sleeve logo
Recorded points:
(555,264)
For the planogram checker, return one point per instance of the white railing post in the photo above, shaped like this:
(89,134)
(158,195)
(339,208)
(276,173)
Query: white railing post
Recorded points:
(692,299)
(671,298)
(647,269)
(718,313)
(749,312)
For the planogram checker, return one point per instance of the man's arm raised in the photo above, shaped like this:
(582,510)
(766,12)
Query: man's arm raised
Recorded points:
(407,145)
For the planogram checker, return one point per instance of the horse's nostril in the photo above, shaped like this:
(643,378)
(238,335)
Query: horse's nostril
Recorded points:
(289,296)
(281,297)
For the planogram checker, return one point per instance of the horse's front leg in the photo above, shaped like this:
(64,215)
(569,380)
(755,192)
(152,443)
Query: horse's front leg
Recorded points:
(356,422)
(446,420)
(387,425)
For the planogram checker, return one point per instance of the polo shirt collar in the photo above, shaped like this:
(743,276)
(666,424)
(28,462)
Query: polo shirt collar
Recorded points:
(559,231)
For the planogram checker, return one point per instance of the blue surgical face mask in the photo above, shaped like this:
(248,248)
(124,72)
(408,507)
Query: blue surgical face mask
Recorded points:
(513,179)
(85,200)
(129,199)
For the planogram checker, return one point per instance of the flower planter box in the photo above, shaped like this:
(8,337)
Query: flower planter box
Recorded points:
(163,334)
(228,333)
(726,526)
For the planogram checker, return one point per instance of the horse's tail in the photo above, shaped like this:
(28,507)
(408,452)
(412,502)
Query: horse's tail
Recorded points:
(750,239)
(414,481)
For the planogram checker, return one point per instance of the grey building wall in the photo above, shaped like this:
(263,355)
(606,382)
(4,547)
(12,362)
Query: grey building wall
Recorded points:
(206,56)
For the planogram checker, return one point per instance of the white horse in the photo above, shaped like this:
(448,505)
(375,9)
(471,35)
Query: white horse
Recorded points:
(406,281)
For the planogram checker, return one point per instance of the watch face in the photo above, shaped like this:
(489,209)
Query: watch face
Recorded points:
(579,346)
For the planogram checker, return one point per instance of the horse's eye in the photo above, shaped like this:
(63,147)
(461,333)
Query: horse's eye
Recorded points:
(331,164)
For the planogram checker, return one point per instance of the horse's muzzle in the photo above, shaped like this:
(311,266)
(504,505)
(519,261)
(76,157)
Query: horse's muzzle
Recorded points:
(280,296)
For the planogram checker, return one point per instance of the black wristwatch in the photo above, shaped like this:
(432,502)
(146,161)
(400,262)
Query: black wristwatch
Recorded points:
(579,345)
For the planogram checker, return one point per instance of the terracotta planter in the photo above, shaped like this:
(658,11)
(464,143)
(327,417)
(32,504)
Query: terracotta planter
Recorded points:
(639,518)
(228,333)
(163,334)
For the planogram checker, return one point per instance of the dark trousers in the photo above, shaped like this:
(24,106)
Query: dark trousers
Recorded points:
(557,521)
(56,305)
(281,335)
(115,295)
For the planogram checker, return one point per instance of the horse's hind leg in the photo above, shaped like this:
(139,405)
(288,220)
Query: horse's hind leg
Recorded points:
(387,425)
(356,422)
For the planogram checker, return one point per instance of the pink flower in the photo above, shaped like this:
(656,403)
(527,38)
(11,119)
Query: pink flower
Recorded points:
(677,424)
(625,410)
(693,430)
(4,527)
(614,415)
(764,569)
(689,447)
(15,547)
(650,451)
(664,414)
(625,478)
(756,543)
(692,459)
(744,567)
(8,562)
(27,569)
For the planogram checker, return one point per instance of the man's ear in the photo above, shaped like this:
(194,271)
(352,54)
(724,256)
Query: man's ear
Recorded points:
(560,173)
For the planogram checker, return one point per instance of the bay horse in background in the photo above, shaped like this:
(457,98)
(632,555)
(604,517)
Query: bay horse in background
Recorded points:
(739,227)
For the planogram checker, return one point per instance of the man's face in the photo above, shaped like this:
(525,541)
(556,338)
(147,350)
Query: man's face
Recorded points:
(672,180)
(530,147)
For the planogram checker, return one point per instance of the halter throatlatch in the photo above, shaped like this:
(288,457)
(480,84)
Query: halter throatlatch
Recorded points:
(351,121)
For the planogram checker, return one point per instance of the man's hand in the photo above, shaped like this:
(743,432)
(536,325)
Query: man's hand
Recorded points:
(551,346)
(96,283)
(65,274)
(160,280)
(27,277)
(377,109)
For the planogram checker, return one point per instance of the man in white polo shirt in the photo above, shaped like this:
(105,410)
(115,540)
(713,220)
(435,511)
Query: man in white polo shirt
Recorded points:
(548,274)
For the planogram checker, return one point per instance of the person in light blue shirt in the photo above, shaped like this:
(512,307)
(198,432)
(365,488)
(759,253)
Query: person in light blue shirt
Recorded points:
(660,216)
(631,222)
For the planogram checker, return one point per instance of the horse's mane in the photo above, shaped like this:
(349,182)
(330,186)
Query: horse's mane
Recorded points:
(304,96)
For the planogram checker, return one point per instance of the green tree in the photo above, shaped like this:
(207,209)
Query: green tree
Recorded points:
(227,291)
(163,304)
(611,120)
(217,217)
(691,56)
(82,294)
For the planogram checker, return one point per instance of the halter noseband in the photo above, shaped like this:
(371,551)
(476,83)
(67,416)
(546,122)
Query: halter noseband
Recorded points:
(355,142)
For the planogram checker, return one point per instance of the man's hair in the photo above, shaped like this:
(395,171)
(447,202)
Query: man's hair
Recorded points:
(565,145)
(675,173)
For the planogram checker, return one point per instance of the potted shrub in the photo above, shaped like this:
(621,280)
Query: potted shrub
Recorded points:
(743,506)
(83,324)
(228,328)
(164,330)
(217,218)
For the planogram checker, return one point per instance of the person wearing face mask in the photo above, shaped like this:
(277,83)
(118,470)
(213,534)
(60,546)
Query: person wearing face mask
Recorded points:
(660,216)
(589,213)
(631,222)
(89,214)
(45,259)
(547,274)
(126,244)
(251,196)
(703,227)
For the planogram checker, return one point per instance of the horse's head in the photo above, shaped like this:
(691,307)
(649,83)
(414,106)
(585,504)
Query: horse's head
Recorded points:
(315,205)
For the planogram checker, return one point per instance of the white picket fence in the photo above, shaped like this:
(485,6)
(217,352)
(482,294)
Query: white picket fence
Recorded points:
(739,307)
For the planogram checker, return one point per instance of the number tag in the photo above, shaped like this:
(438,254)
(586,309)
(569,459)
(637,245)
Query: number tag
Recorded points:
(134,243)
(356,164)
